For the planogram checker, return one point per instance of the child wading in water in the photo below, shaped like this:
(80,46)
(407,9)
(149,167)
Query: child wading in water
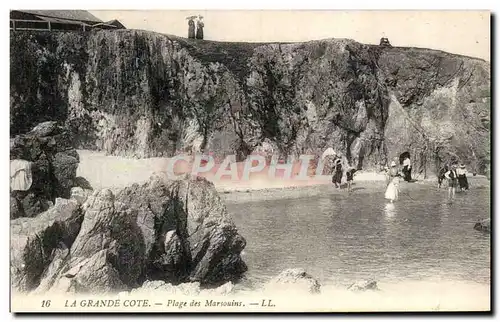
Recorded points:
(452,177)
(350,175)
(441,175)
(393,177)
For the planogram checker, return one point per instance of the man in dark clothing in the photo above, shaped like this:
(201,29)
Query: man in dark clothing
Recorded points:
(191,33)
(441,175)
(407,169)
(337,176)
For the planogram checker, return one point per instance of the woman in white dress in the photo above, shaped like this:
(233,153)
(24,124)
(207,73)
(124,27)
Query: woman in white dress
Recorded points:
(392,191)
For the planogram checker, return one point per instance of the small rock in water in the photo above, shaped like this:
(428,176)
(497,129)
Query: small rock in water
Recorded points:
(483,225)
(363,286)
(295,278)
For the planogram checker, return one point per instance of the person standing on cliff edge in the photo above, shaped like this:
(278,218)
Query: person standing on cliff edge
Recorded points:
(191,29)
(199,28)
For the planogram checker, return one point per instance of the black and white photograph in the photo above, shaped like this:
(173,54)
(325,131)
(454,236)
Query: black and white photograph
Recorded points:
(182,161)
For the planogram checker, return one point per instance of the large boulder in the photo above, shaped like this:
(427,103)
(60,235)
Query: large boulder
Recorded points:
(108,253)
(170,231)
(187,231)
(53,164)
(294,280)
(37,243)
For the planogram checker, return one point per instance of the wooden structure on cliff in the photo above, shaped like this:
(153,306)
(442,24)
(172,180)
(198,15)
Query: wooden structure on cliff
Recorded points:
(384,42)
(67,20)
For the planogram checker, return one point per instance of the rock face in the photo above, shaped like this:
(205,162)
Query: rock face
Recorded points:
(143,94)
(53,170)
(439,108)
(483,225)
(80,195)
(39,244)
(172,232)
(295,279)
(187,232)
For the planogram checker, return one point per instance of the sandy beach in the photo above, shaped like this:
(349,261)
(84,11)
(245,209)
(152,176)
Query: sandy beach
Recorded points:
(115,172)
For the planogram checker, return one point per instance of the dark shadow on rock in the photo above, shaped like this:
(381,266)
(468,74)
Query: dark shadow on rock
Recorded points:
(83,183)
(189,235)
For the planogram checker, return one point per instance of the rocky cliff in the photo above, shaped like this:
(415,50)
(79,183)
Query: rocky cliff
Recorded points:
(52,172)
(142,94)
(170,231)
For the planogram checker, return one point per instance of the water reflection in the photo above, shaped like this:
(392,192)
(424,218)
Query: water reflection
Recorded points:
(390,211)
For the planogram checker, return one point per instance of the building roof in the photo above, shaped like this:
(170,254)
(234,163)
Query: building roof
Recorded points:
(115,23)
(78,15)
(111,24)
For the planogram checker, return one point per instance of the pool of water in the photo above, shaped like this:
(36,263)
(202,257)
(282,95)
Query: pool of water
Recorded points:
(341,238)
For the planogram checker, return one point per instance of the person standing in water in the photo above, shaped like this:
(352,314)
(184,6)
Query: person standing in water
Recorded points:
(462,178)
(407,169)
(392,191)
(350,175)
(337,176)
(451,175)
(441,175)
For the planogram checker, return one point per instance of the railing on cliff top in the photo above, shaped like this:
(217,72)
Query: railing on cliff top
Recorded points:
(22,24)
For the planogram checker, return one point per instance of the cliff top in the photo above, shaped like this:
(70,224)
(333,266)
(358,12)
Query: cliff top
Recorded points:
(235,55)
(244,47)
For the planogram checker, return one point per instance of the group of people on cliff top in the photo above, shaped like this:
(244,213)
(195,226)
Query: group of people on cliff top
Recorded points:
(195,23)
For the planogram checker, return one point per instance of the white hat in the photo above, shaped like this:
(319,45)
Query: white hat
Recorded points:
(393,164)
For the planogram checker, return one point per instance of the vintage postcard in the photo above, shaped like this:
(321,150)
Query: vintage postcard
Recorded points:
(250,161)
